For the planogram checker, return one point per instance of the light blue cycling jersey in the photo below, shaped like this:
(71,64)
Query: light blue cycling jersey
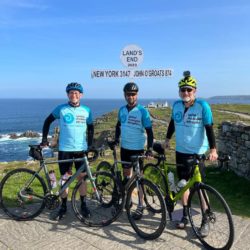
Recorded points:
(190,130)
(133,124)
(73,126)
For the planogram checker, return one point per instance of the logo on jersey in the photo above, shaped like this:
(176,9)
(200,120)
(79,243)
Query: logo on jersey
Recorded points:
(178,116)
(68,118)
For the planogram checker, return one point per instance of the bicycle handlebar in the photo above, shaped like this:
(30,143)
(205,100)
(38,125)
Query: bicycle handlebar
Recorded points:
(37,154)
(204,157)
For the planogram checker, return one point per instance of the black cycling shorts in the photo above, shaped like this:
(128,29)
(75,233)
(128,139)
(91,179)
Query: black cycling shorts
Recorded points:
(184,170)
(126,156)
(67,166)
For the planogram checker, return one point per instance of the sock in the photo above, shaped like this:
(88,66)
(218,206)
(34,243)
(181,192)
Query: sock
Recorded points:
(185,211)
(140,207)
(64,202)
(83,199)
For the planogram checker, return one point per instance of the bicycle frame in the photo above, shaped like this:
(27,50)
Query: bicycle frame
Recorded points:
(135,164)
(196,178)
(85,166)
(136,173)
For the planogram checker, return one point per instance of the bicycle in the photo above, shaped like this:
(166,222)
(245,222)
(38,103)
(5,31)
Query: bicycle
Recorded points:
(136,192)
(24,193)
(204,202)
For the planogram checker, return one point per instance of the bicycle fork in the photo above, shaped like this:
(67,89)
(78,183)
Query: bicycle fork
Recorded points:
(205,206)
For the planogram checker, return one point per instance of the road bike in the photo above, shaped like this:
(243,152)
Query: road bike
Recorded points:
(24,193)
(138,192)
(205,204)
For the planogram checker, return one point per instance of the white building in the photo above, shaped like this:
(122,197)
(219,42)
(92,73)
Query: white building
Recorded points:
(157,105)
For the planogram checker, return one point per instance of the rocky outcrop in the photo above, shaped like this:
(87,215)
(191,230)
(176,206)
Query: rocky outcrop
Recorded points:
(28,134)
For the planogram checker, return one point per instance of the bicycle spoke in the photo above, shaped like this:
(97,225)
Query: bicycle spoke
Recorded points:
(146,223)
(211,218)
(18,200)
(103,211)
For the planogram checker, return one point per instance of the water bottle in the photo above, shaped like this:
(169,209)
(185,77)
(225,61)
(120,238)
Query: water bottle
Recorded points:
(65,177)
(171,181)
(52,178)
(182,183)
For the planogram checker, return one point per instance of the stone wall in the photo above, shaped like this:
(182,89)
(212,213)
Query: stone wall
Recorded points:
(234,139)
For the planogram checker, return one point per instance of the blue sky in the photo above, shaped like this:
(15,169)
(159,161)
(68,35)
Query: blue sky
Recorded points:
(44,44)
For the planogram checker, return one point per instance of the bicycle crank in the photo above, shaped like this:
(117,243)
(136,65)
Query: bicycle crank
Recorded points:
(51,201)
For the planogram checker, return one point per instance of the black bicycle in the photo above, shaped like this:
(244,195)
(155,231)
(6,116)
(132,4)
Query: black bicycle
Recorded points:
(24,193)
(138,192)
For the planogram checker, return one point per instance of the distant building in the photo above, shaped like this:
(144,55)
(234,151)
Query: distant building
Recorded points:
(165,105)
(157,105)
(151,105)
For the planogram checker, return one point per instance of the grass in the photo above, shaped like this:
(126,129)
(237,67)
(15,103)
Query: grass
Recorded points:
(234,189)
(242,108)
(161,113)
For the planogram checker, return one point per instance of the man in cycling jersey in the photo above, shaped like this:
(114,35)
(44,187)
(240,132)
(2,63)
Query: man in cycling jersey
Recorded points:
(76,135)
(133,120)
(192,122)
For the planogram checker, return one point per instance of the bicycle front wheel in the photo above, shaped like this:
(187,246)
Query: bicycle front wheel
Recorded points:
(210,217)
(22,194)
(105,202)
(147,224)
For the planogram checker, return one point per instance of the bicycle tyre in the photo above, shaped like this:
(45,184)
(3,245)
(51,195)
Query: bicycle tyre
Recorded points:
(153,173)
(106,211)
(218,214)
(151,225)
(17,202)
(104,166)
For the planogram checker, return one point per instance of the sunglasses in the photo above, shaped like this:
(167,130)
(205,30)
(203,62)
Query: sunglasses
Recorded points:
(130,94)
(186,89)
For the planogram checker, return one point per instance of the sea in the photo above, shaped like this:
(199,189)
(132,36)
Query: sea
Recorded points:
(21,115)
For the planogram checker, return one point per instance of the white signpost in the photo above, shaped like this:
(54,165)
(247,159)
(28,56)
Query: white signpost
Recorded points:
(139,73)
(131,56)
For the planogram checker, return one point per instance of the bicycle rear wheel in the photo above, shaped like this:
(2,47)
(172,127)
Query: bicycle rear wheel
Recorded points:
(151,225)
(208,208)
(105,210)
(153,173)
(22,194)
